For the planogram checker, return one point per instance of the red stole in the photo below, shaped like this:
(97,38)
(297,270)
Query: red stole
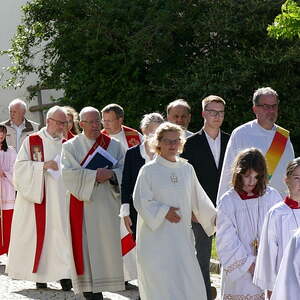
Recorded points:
(291,203)
(37,154)
(132,136)
(77,210)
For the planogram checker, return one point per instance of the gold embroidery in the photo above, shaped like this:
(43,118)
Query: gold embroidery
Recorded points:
(244,297)
(235,265)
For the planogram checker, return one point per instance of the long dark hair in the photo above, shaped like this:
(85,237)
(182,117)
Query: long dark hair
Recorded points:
(246,160)
(4,146)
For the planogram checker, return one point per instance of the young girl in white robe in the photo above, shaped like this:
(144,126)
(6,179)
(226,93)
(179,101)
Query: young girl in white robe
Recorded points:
(280,224)
(165,195)
(240,217)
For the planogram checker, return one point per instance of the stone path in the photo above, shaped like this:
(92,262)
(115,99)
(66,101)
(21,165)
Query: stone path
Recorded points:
(19,289)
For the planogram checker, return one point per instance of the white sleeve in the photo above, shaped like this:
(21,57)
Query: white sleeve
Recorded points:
(267,259)
(150,209)
(233,255)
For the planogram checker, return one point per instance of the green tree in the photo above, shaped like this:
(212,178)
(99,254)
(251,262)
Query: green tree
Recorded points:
(287,24)
(142,54)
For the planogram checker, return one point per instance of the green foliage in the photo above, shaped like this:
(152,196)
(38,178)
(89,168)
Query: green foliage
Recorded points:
(143,54)
(287,24)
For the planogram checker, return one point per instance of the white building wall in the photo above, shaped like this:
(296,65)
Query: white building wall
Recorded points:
(10,18)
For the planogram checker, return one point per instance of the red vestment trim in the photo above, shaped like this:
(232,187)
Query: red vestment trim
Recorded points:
(132,136)
(291,203)
(245,196)
(77,210)
(40,209)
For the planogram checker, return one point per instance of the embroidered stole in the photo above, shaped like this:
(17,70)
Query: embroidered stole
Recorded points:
(77,211)
(276,149)
(132,136)
(37,154)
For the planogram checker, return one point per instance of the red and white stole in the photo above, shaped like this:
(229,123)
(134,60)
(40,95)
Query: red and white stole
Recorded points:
(131,135)
(37,154)
(77,211)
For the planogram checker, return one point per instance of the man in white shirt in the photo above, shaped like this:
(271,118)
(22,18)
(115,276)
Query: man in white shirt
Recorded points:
(18,127)
(262,133)
(205,152)
(179,112)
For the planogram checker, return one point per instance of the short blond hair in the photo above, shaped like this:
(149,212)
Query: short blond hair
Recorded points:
(159,134)
(210,99)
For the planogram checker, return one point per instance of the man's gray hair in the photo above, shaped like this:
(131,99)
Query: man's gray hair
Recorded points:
(86,110)
(17,101)
(53,110)
(152,118)
(262,92)
(178,102)
(116,108)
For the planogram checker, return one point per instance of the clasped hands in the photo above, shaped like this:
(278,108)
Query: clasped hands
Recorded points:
(103,174)
(51,164)
(172,215)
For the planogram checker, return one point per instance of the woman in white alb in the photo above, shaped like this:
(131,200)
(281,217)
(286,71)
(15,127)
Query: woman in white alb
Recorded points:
(241,213)
(166,193)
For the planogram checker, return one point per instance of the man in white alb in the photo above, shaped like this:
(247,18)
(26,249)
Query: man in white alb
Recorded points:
(112,120)
(39,244)
(94,209)
(262,133)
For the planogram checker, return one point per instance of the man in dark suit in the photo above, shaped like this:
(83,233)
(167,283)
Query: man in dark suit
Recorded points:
(205,151)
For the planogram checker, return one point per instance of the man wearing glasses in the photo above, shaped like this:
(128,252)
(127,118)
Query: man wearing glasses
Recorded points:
(264,134)
(205,151)
(112,121)
(39,243)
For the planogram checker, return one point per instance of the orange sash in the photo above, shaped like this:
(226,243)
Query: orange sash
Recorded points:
(37,154)
(77,210)
(276,149)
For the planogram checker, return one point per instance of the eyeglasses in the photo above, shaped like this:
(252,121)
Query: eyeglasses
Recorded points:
(215,113)
(57,122)
(97,122)
(268,106)
(171,142)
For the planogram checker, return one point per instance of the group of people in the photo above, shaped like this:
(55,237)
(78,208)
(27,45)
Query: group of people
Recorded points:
(150,211)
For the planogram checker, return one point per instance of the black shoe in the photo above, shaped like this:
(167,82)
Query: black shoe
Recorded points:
(93,296)
(66,284)
(41,285)
(98,296)
(88,295)
(129,286)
